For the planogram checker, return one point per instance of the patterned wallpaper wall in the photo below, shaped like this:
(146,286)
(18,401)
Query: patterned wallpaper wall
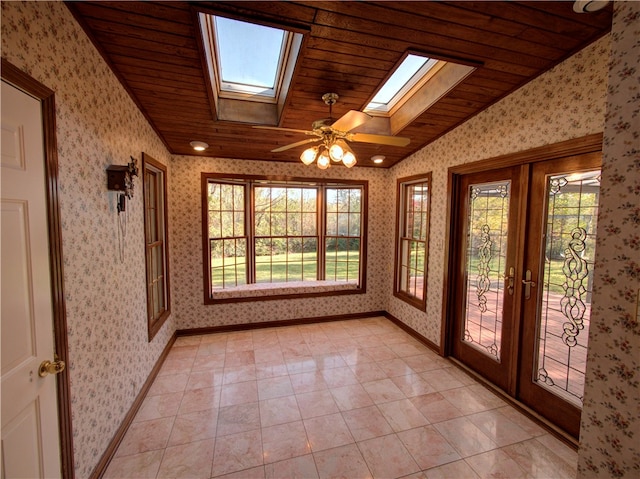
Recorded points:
(564,103)
(186,246)
(611,414)
(97,125)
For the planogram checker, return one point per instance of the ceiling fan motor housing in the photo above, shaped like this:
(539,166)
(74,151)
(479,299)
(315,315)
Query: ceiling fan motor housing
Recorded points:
(330,98)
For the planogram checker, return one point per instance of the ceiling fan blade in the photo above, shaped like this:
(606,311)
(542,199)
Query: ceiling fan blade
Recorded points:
(350,120)
(290,130)
(293,145)
(380,139)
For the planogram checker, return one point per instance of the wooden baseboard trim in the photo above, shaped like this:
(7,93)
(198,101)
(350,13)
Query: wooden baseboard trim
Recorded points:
(102,465)
(276,324)
(409,330)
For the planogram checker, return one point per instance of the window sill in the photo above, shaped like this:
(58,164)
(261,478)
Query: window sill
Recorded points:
(412,300)
(267,291)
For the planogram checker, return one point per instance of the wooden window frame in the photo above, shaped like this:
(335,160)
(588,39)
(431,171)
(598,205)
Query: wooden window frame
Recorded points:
(401,215)
(160,209)
(235,238)
(251,181)
(324,236)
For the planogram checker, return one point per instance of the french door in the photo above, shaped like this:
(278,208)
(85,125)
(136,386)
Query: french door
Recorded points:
(524,243)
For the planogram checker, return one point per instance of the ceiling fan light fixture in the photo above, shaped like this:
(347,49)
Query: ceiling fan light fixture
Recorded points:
(349,159)
(335,138)
(337,150)
(323,160)
(308,156)
(199,145)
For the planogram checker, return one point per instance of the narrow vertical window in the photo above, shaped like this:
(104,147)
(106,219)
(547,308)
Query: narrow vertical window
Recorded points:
(156,245)
(412,239)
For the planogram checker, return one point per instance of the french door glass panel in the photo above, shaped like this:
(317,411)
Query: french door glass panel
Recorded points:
(567,278)
(487,227)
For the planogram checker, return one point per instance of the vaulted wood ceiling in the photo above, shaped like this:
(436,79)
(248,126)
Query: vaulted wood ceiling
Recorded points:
(350,48)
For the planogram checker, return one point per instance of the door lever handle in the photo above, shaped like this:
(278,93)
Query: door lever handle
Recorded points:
(509,280)
(528,284)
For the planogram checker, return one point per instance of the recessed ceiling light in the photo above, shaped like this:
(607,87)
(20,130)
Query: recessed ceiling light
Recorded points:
(377,159)
(199,145)
(588,6)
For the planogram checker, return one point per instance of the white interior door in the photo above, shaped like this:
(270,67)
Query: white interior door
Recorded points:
(30,435)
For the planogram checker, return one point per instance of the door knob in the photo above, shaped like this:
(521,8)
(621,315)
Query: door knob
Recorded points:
(51,367)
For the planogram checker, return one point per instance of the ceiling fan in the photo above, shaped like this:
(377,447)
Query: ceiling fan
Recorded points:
(333,137)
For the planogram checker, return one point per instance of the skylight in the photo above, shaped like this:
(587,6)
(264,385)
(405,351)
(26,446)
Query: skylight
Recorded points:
(248,61)
(409,74)
(249,56)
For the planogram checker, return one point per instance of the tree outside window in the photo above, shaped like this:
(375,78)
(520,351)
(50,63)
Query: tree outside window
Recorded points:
(264,231)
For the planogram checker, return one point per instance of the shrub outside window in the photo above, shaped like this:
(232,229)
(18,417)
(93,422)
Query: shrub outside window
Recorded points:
(412,239)
(259,231)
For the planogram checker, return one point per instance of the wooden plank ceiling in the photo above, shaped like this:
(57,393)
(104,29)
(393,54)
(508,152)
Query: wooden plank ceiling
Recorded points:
(350,48)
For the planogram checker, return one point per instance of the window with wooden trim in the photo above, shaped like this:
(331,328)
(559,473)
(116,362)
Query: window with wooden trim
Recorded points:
(288,232)
(156,243)
(412,239)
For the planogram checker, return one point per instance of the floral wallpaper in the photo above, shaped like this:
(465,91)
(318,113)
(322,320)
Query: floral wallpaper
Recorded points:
(186,248)
(564,103)
(97,125)
(611,414)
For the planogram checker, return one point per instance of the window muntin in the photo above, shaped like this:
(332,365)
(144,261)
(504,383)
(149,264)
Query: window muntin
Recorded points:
(156,244)
(412,239)
(284,224)
(412,72)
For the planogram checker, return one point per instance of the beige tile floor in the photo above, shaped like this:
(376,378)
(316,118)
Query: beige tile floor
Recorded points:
(348,399)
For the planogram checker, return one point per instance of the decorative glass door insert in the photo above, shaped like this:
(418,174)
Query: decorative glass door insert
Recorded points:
(487,229)
(567,277)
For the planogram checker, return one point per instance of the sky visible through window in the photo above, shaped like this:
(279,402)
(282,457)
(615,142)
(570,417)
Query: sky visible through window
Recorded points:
(403,74)
(249,54)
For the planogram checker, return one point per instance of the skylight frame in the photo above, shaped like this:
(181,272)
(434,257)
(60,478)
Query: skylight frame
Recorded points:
(408,88)
(287,58)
